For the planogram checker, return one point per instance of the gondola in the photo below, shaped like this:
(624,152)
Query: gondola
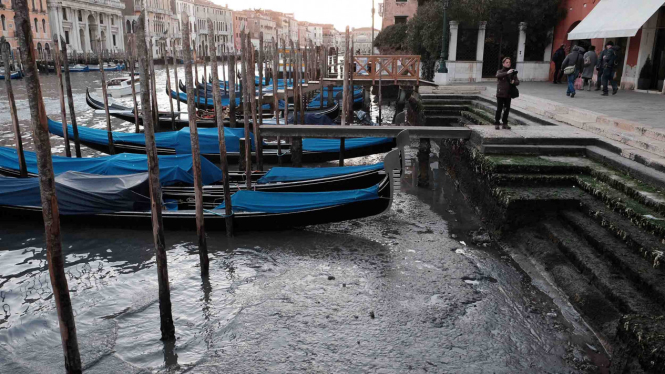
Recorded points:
(12,75)
(176,175)
(178,142)
(122,201)
(181,119)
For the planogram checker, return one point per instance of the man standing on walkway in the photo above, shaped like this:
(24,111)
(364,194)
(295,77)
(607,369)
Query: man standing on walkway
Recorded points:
(576,62)
(558,58)
(590,62)
(607,64)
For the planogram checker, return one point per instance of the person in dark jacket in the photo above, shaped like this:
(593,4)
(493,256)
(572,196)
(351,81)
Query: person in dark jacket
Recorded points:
(599,66)
(558,58)
(576,59)
(609,64)
(505,78)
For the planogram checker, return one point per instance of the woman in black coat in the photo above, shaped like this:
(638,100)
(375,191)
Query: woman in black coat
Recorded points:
(505,78)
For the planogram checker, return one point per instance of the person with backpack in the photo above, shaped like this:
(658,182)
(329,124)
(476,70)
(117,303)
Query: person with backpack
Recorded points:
(506,90)
(572,67)
(558,58)
(590,62)
(606,64)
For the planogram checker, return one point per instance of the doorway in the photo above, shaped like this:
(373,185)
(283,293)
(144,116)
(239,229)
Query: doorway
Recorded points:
(658,72)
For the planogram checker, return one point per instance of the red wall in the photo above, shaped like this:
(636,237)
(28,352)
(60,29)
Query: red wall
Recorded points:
(576,13)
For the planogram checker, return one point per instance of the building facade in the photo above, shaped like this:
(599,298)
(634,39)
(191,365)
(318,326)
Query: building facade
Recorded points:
(222,19)
(641,37)
(397,11)
(88,26)
(161,22)
(362,40)
(39,22)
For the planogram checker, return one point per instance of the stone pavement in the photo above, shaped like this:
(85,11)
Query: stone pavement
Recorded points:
(648,109)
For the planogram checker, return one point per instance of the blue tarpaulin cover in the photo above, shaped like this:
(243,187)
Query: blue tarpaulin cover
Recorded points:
(80,193)
(310,119)
(226,101)
(279,174)
(172,169)
(332,145)
(178,140)
(289,202)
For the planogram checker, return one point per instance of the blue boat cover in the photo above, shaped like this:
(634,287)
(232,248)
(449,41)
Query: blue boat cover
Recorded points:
(290,202)
(279,174)
(172,169)
(332,145)
(310,119)
(80,193)
(178,140)
(182,96)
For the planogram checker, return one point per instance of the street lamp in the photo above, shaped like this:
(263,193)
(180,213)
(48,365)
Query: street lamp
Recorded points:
(444,49)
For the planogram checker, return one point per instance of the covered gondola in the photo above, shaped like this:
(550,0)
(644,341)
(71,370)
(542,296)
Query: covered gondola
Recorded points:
(123,201)
(178,142)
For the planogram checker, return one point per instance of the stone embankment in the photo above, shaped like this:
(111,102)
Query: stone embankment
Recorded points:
(583,196)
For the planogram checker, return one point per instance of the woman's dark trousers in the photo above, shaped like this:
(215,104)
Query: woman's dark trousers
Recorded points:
(502,104)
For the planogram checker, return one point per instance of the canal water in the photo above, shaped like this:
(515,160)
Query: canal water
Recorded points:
(417,289)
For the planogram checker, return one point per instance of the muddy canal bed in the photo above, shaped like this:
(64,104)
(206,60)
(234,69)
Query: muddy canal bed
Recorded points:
(408,291)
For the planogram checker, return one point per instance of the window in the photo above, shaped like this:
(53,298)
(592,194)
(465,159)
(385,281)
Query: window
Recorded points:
(41,6)
(44,25)
(34,8)
(36,26)
(64,14)
(80,16)
(3,23)
(112,21)
(101,20)
(66,36)
(114,40)
(400,20)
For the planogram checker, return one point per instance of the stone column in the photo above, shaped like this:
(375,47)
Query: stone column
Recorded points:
(521,43)
(480,51)
(452,46)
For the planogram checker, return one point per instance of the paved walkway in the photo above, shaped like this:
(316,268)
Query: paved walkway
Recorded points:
(648,109)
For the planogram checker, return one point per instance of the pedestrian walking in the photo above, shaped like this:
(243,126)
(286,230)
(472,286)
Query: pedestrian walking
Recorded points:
(590,62)
(600,67)
(573,65)
(506,89)
(609,64)
(558,58)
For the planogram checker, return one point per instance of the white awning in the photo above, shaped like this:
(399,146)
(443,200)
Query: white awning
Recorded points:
(615,19)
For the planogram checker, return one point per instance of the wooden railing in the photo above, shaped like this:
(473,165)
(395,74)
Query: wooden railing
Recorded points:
(388,67)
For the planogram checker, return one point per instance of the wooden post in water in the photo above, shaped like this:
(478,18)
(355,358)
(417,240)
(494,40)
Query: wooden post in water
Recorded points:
(286,85)
(275,75)
(39,122)
(132,65)
(165,315)
(63,112)
(153,86)
(380,66)
(296,142)
(196,154)
(323,70)
(246,108)
(232,89)
(302,100)
(175,75)
(345,97)
(70,100)
(205,77)
(225,60)
(352,66)
(251,86)
(257,130)
(168,86)
(106,100)
(196,77)
(219,115)
(23,170)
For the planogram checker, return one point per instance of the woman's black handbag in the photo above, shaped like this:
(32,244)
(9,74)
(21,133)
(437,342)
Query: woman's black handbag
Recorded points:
(514,92)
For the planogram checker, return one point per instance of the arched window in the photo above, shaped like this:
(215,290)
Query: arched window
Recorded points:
(80,16)
(44,26)
(129,27)
(112,21)
(47,48)
(3,23)
(101,20)
(39,50)
(36,26)
(133,26)
(41,5)
(34,8)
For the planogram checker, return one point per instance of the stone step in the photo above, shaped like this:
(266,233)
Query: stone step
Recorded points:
(552,150)
(596,309)
(632,265)
(532,180)
(632,139)
(638,164)
(634,127)
(599,271)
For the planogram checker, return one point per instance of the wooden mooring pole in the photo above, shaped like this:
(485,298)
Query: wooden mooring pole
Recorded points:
(296,142)
(345,96)
(168,86)
(380,66)
(232,89)
(165,316)
(196,76)
(109,131)
(63,111)
(70,100)
(39,122)
(153,85)
(175,75)
(224,63)
(205,78)
(131,59)
(246,107)
(257,110)
(219,115)
(196,153)
(23,170)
